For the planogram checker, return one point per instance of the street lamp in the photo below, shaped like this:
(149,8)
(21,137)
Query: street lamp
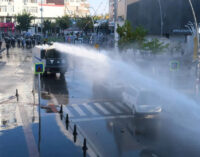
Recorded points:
(161,18)
(196,26)
(115,22)
(197,54)
(93,18)
(41,9)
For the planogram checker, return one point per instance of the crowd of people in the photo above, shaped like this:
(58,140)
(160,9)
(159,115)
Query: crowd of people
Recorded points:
(22,41)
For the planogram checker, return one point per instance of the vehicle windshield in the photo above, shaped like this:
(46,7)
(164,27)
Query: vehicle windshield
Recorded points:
(148,98)
(53,54)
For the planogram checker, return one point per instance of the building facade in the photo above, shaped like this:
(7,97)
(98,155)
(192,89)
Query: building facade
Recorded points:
(50,8)
(111,11)
(159,17)
(77,8)
(10,8)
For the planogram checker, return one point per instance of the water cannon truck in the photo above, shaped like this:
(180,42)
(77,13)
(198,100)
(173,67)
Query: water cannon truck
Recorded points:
(54,61)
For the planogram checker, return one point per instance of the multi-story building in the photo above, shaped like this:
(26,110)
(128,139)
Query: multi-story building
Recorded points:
(111,11)
(51,9)
(159,17)
(10,8)
(122,9)
(77,8)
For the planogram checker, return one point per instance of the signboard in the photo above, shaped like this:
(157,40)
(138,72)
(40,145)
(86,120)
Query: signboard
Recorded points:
(174,65)
(39,68)
(195,48)
(96,46)
(8,25)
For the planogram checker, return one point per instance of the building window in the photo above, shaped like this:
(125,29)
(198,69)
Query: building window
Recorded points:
(33,10)
(3,9)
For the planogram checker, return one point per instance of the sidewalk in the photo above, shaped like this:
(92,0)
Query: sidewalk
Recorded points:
(21,135)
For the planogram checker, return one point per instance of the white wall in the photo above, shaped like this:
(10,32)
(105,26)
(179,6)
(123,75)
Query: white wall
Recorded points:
(53,11)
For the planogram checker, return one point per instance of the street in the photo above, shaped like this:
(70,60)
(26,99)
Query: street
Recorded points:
(73,109)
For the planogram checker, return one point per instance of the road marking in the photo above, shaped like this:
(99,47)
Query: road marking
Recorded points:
(30,140)
(78,109)
(38,58)
(100,107)
(92,150)
(7,99)
(90,109)
(113,107)
(68,112)
(127,109)
(101,118)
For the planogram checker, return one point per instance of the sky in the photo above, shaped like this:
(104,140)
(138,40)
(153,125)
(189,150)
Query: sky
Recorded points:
(100,6)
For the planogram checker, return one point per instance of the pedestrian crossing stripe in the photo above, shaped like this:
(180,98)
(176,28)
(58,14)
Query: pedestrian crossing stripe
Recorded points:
(126,108)
(79,110)
(68,112)
(90,109)
(101,108)
(113,108)
(96,109)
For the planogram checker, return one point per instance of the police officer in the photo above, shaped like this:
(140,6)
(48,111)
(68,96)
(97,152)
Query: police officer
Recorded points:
(8,42)
(0,42)
(13,42)
(23,42)
(33,41)
(18,42)
(28,43)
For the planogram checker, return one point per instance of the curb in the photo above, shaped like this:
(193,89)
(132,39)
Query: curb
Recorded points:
(1,50)
(7,99)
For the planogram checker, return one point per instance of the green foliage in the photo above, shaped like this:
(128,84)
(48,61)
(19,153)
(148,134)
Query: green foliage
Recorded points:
(55,39)
(139,33)
(155,46)
(63,22)
(47,25)
(99,17)
(85,23)
(24,21)
(53,27)
(128,36)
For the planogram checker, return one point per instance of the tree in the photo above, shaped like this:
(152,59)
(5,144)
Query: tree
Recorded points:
(155,46)
(47,25)
(63,22)
(139,34)
(128,36)
(24,21)
(53,27)
(104,27)
(85,23)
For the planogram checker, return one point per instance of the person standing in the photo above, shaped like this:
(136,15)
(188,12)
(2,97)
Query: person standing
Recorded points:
(23,42)
(18,41)
(8,42)
(0,42)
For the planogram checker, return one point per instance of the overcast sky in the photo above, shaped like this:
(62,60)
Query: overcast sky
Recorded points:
(101,6)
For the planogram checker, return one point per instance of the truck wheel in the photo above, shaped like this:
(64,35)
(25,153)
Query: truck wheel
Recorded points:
(44,74)
(62,75)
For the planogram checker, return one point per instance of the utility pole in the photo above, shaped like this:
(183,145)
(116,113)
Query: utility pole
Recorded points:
(115,22)
(41,9)
(161,18)
(197,53)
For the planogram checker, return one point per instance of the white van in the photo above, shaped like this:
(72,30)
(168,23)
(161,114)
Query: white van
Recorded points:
(141,101)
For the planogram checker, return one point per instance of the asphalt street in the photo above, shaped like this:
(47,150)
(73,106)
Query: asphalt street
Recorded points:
(108,125)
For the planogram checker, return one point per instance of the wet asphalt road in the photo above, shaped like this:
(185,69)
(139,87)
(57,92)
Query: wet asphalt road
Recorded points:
(108,125)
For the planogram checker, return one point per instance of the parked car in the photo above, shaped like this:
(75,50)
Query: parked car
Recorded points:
(143,102)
